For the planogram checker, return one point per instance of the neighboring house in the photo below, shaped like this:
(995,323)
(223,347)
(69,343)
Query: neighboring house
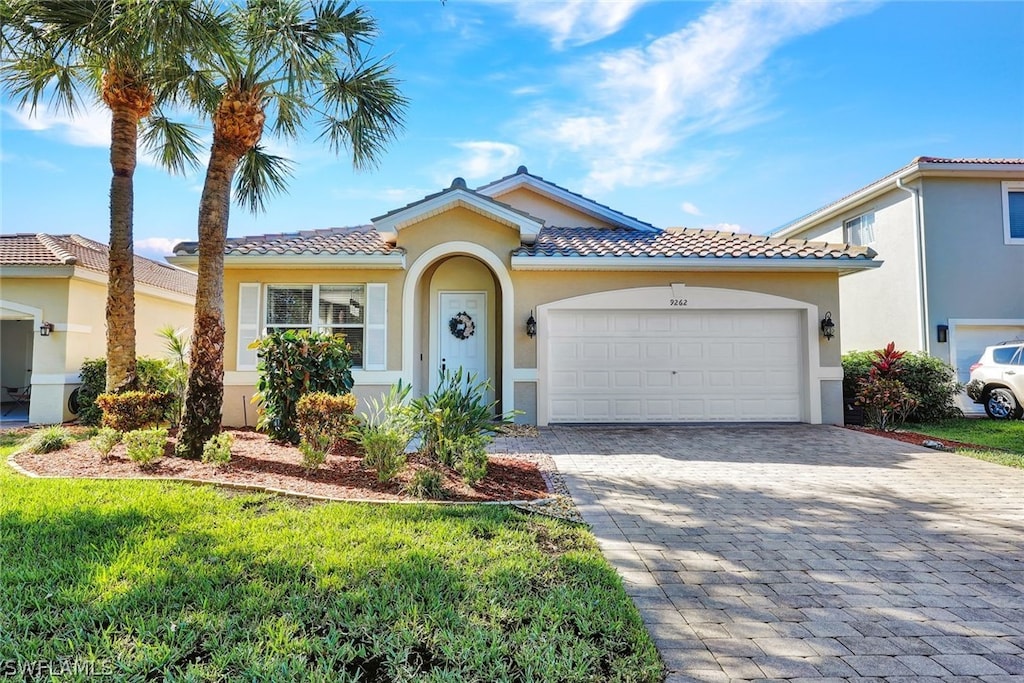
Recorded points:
(632,323)
(61,281)
(951,232)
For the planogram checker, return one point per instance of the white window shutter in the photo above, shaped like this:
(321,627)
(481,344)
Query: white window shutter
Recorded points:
(375,342)
(248,324)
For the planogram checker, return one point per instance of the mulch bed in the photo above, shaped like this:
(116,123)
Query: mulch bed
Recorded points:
(917,438)
(259,462)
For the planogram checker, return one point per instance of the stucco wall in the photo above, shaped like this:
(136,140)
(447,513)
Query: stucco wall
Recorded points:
(972,272)
(551,212)
(882,304)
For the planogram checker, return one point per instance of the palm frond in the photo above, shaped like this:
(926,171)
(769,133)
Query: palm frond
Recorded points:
(260,176)
(363,112)
(173,143)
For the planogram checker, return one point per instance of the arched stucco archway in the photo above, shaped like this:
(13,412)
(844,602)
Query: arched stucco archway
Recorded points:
(411,289)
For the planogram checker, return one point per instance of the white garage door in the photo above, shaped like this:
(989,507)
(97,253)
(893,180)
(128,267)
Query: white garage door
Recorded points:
(674,366)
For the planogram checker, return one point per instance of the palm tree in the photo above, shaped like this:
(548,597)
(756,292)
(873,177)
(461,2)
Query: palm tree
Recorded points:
(132,55)
(294,60)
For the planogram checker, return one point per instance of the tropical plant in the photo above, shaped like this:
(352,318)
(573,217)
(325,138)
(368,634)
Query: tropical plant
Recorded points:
(133,56)
(932,382)
(323,413)
(292,61)
(154,375)
(887,401)
(426,483)
(457,423)
(385,432)
(217,451)
(314,452)
(47,440)
(145,446)
(105,440)
(132,410)
(176,344)
(291,365)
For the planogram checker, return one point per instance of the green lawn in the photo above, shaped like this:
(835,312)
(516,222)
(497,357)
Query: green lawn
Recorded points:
(1002,435)
(160,580)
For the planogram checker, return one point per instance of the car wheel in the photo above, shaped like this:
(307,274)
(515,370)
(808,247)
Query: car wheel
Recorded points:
(1002,405)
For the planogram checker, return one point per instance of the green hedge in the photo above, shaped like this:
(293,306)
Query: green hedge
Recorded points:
(932,382)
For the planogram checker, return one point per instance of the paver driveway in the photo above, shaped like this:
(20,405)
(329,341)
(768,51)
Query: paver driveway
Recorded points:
(788,552)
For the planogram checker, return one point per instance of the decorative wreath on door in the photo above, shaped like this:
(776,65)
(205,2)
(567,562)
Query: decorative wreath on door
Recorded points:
(462,326)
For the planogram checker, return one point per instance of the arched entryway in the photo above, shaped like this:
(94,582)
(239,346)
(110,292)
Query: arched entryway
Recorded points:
(457,311)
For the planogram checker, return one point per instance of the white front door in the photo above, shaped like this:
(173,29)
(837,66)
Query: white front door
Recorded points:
(462,335)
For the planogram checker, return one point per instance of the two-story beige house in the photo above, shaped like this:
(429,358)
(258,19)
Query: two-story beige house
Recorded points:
(951,233)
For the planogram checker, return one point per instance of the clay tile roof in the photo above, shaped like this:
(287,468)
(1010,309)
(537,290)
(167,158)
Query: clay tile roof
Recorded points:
(357,240)
(967,160)
(683,243)
(28,249)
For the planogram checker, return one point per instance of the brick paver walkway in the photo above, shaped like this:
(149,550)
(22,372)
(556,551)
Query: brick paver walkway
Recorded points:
(806,552)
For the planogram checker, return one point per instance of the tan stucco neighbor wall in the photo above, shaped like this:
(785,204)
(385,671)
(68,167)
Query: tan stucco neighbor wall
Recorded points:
(76,306)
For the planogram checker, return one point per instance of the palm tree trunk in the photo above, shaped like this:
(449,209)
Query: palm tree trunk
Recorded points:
(124,129)
(204,396)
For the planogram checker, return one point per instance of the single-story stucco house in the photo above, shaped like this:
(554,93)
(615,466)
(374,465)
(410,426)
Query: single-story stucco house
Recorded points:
(57,284)
(576,312)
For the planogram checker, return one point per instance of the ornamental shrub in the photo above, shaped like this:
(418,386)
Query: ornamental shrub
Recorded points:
(314,452)
(320,413)
(217,451)
(47,440)
(294,363)
(145,446)
(887,402)
(133,410)
(932,382)
(425,483)
(105,440)
(456,423)
(153,374)
(385,432)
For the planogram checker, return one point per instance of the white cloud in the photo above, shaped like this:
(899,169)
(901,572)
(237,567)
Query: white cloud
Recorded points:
(157,246)
(641,103)
(691,208)
(725,227)
(576,22)
(89,127)
(481,160)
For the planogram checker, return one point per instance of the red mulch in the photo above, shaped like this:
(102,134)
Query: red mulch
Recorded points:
(258,461)
(918,439)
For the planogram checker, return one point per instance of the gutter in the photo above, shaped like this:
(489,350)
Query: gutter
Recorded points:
(922,277)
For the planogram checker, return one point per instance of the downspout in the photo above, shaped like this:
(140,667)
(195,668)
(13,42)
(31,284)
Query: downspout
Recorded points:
(922,276)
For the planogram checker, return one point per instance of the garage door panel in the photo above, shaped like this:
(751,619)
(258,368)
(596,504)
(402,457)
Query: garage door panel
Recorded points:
(675,366)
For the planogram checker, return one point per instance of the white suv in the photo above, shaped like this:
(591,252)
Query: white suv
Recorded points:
(997,380)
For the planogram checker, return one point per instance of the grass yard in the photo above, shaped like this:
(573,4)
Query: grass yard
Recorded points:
(1003,435)
(150,580)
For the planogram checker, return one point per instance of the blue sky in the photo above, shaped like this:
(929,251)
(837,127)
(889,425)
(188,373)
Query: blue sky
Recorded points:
(741,116)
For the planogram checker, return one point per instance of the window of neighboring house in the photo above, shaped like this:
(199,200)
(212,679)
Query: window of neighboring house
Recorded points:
(339,309)
(860,230)
(1013,212)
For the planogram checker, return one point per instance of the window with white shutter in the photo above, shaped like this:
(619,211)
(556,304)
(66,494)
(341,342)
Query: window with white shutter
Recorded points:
(336,308)
(376,342)
(248,324)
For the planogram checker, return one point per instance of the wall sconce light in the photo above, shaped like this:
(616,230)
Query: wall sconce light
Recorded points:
(828,328)
(942,333)
(45,329)
(531,326)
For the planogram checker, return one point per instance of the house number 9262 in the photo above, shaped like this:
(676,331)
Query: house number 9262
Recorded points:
(677,302)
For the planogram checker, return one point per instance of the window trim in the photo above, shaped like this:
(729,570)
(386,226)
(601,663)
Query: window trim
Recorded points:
(313,325)
(846,229)
(1009,186)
